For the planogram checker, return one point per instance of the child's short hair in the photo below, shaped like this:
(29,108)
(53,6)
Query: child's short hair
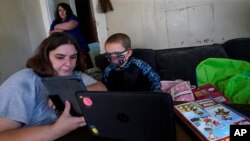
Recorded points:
(120,38)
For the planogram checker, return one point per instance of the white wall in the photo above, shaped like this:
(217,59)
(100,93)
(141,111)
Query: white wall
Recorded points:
(161,24)
(21,31)
(101,25)
(48,13)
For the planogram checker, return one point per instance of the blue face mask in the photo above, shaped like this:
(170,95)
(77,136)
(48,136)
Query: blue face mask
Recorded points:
(117,58)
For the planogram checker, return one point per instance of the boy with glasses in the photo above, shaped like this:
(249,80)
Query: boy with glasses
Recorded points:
(127,73)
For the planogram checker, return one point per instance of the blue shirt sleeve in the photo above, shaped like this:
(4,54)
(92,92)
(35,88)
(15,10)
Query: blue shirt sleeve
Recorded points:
(23,99)
(106,73)
(72,17)
(149,72)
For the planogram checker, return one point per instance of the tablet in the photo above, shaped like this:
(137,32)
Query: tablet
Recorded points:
(64,88)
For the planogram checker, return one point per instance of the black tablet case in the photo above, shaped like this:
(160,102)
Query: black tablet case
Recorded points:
(64,88)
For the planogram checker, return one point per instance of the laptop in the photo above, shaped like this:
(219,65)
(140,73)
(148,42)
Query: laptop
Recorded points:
(64,88)
(128,116)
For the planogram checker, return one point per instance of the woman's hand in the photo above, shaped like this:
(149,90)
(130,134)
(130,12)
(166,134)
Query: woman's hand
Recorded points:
(70,25)
(66,122)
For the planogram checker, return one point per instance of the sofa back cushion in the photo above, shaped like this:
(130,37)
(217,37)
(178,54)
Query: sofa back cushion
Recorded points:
(238,49)
(147,55)
(180,63)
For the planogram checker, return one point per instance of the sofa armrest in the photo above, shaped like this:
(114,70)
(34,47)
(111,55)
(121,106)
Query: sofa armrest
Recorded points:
(238,49)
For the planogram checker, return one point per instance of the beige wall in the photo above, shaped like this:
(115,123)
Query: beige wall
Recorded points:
(101,25)
(161,24)
(21,31)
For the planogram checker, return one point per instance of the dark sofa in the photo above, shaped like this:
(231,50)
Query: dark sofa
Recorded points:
(180,63)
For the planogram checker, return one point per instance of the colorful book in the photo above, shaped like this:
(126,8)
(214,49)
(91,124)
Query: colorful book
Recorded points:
(208,90)
(209,119)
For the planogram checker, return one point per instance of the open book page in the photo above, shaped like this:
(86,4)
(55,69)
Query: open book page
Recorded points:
(209,118)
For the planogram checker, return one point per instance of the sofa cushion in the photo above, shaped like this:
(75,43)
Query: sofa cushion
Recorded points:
(180,63)
(147,55)
(238,49)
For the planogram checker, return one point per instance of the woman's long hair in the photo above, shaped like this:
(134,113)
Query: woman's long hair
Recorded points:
(40,62)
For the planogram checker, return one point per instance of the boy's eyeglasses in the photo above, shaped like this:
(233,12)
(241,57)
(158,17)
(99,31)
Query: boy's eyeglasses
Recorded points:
(115,54)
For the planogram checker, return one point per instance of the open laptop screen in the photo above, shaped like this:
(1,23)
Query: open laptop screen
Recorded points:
(130,116)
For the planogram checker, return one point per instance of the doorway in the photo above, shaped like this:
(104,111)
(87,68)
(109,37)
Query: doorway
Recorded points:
(83,10)
(85,13)
(86,19)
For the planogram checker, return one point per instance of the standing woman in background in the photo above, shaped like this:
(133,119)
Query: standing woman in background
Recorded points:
(66,21)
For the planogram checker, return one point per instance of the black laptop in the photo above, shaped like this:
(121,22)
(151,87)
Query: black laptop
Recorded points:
(130,116)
